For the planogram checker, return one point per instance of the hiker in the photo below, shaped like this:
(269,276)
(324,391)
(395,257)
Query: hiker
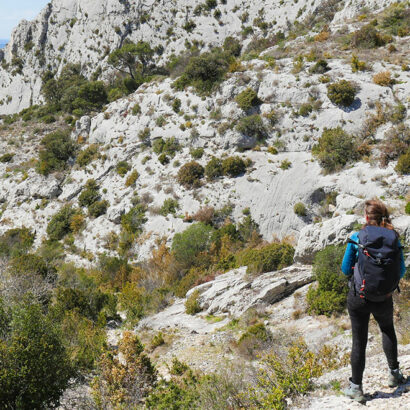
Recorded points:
(375,264)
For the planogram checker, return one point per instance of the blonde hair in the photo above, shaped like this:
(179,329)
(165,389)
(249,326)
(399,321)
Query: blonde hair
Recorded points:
(377,214)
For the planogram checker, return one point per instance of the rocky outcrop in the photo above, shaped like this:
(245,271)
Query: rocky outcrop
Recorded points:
(86,31)
(315,237)
(231,295)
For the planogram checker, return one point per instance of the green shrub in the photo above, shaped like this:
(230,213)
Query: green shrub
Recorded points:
(252,126)
(213,168)
(98,208)
(163,159)
(57,148)
(247,228)
(170,206)
(305,109)
(320,67)
(204,72)
(30,264)
(299,209)
(187,245)
(210,4)
(122,168)
(189,175)
(89,194)
(232,46)
(285,164)
(342,93)
(15,242)
(192,305)
(197,153)
(8,157)
(335,149)
(256,331)
(169,146)
(176,105)
(132,178)
(35,368)
(407,209)
(157,340)
(403,164)
(60,223)
(133,220)
(136,109)
(397,19)
(266,259)
(330,295)
(247,99)
(233,166)
(368,37)
(357,65)
(133,301)
(285,377)
(87,155)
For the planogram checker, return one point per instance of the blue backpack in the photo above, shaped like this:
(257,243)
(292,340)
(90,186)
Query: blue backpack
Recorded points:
(377,270)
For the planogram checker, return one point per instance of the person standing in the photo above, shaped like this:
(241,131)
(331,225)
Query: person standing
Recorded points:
(375,264)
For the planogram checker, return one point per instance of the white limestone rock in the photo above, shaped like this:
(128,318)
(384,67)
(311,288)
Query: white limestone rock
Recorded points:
(316,237)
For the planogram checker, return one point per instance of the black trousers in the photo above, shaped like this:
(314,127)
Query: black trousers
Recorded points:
(359,311)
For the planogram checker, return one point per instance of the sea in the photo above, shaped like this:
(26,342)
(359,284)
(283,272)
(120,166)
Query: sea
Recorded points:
(3,43)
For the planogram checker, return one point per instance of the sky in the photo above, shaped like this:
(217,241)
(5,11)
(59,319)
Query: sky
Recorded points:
(12,11)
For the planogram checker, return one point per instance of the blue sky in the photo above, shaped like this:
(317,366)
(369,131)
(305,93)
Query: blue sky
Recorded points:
(12,11)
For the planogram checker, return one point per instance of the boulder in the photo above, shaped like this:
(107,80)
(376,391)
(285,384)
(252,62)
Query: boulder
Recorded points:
(234,293)
(82,127)
(316,237)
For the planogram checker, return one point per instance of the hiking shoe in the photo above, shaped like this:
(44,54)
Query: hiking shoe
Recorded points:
(355,392)
(395,378)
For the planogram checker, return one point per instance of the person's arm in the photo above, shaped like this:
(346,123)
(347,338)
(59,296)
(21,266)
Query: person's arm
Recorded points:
(402,265)
(349,258)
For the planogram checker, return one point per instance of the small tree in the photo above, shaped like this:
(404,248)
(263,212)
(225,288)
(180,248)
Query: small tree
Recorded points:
(127,58)
(189,175)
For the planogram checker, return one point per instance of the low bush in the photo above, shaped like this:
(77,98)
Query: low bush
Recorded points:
(5,158)
(357,65)
(197,153)
(123,383)
(252,126)
(213,168)
(132,178)
(403,164)
(267,258)
(98,208)
(190,174)
(170,206)
(407,208)
(87,155)
(342,93)
(320,67)
(168,147)
(287,377)
(204,72)
(335,148)
(233,166)
(187,245)
(60,223)
(396,20)
(56,149)
(122,168)
(176,105)
(89,194)
(305,109)
(299,209)
(133,220)
(368,37)
(330,294)
(15,242)
(136,109)
(383,79)
(395,144)
(247,99)
(232,46)
(192,305)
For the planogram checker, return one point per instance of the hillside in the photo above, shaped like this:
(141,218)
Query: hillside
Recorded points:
(239,143)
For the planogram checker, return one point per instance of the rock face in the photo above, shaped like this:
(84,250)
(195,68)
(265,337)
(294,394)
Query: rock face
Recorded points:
(232,294)
(315,237)
(86,31)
